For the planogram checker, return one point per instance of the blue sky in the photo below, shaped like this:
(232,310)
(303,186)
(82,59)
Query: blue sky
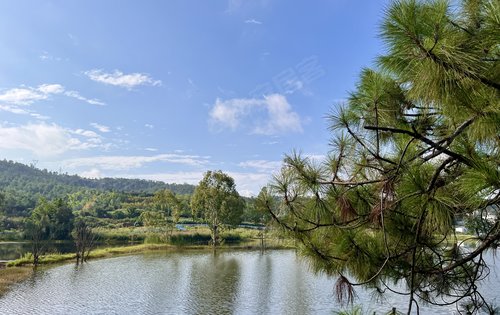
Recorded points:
(166,90)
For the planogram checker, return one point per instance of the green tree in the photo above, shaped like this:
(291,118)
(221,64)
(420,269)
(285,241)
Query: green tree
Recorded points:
(2,201)
(37,229)
(62,220)
(216,200)
(58,217)
(170,205)
(415,146)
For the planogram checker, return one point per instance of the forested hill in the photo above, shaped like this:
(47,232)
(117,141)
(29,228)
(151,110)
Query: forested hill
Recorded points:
(28,183)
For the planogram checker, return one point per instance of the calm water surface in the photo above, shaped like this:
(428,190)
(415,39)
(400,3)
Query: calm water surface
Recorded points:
(235,282)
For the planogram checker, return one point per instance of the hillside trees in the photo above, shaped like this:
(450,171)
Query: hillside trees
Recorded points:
(217,201)
(23,185)
(57,218)
(416,145)
(168,203)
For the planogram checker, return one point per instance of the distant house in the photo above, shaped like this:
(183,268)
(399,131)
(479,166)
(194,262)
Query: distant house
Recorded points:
(460,229)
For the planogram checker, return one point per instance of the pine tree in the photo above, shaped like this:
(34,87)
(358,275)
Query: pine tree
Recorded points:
(416,146)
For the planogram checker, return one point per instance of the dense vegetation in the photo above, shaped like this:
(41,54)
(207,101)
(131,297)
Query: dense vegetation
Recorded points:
(415,147)
(23,185)
(38,205)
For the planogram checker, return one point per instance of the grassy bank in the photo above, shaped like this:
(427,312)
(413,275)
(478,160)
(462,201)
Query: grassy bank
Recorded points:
(98,253)
(142,248)
(10,276)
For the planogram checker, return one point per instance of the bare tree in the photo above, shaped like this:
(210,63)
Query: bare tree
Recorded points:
(84,240)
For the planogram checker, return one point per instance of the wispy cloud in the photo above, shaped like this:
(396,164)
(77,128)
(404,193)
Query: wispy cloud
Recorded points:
(149,126)
(118,78)
(293,85)
(29,95)
(74,40)
(18,99)
(253,21)
(22,111)
(77,95)
(261,165)
(279,118)
(47,89)
(14,110)
(47,139)
(45,56)
(85,133)
(122,162)
(101,128)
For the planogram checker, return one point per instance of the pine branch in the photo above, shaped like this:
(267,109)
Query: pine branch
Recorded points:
(423,139)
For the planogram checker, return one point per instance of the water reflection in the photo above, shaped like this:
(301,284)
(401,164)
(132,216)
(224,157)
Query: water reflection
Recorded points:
(213,288)
(236,282)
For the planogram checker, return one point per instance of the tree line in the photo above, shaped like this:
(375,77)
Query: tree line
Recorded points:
(24,185)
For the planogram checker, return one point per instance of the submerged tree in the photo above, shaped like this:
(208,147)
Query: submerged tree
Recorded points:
(35,230)
(416,145)
(84,239)
(216,200)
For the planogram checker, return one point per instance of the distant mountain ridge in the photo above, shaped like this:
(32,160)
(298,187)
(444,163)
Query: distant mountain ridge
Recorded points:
(23,185)
(12,174)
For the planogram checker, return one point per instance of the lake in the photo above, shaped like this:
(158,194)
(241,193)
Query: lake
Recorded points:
(191,282)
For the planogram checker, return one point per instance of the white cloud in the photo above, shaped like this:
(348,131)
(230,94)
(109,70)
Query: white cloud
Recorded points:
(118,78)
(29,95)
(93,173)
(129,162)
(247,184)
(149,126)
(50,89)
(151,149)
(21,111)
(14,110)
(77,95)
(22,96)
(18,98)
(45,56)
(253,21)
(293,85)
(229,113)
(279,118)
(192,178)
(101,128)
(320,158)
(261,165)
(86,133)
(39,116)
(45,139)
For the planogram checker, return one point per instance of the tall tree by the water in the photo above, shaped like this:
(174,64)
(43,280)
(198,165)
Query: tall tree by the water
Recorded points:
(217,201)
